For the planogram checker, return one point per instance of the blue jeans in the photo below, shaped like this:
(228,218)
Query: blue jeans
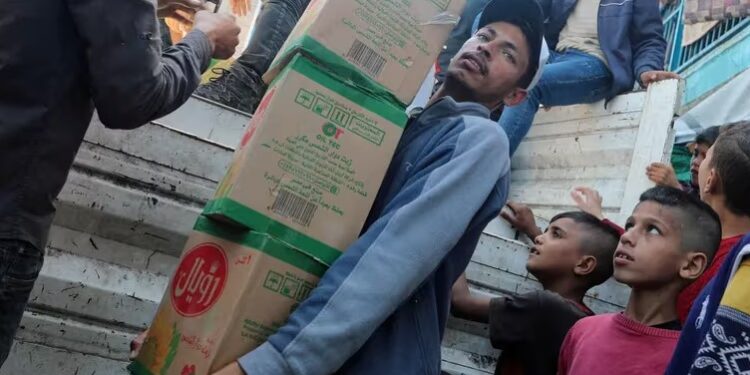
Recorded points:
(459,35)
(275,22)
(20,263)
(570,77)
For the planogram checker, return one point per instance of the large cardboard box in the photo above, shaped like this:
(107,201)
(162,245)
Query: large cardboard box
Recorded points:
(393,42)
(311,162)
(231,290)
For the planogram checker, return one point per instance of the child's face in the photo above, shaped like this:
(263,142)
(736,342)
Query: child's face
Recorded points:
(699,155)
(649,254)
(704,173)
(557,251)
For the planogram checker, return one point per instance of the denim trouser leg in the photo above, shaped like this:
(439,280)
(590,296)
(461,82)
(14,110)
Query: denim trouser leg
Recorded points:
(275,22)
(20,263)
(459,35)
(571,77)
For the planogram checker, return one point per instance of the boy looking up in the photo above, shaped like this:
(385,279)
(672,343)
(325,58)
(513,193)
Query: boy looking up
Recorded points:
(669,241)
(715,336)
(573,255)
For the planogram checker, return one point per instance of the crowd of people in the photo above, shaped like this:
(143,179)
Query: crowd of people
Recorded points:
(382,307)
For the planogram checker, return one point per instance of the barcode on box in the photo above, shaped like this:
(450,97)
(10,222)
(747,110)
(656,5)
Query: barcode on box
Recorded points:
(366,58)
(294,207)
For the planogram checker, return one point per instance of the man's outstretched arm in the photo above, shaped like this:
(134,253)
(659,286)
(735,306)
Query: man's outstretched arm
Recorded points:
(131,80)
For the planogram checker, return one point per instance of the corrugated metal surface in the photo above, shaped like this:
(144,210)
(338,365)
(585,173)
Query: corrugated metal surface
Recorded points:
(132,197)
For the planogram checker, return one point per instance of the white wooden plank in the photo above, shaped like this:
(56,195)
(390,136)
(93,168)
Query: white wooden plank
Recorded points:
(64,332)
(558,192)
(576,159)
(167,147)
(93,247)
(469,360)
(455,369)
(654,129)
(33,359)
(503,254)
(97,290)
(577,127)
(595,172)
(626,103)
(460,340)
(565,145)
(126,169)
(125,213)
(208,120)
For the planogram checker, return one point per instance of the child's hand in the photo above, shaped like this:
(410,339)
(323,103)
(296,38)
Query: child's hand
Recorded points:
(588,200)
(522,218)
(663,175)
(650,77)
(169,8)
(136,344)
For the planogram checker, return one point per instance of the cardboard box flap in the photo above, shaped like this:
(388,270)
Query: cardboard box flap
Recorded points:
(264,243)
(334,65)
(317,250)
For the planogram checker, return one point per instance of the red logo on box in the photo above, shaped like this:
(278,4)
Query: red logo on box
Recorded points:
(199,280)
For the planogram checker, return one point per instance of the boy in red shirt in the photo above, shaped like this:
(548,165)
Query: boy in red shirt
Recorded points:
(669,241)
(734,221)
(573,255)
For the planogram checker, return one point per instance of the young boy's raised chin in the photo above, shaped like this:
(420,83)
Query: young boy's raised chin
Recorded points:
(573,255)
(669,241)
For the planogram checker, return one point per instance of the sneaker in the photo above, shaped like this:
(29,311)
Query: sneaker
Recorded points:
(238,87)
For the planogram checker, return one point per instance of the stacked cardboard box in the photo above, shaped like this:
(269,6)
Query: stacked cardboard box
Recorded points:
(231,290)
(302,181)
(393,42)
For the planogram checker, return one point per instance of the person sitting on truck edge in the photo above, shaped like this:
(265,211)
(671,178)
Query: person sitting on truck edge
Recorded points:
(669,241)
(241,86)
(382,307)
(59,60)
(664,174)
(599,48)
(717,324)
(573,255)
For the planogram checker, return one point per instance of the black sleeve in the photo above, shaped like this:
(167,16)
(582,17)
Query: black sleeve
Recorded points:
(132,80)
(513,319)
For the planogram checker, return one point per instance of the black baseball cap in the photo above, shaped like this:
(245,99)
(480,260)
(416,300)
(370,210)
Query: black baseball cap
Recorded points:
(528,16)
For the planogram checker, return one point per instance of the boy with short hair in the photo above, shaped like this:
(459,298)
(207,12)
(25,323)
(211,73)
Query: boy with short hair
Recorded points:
(669,240)
(715,336)
(664,174)
(572,256)
(735,223)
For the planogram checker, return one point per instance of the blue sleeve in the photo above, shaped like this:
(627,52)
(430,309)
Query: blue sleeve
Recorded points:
(390,260)
(647,30)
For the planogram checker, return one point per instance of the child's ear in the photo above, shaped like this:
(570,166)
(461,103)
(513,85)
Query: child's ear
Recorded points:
(693,266)
(515,97)
(712,182)
(585,265)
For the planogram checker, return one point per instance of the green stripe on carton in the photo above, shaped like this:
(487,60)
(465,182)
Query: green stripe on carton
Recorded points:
(344,75)
(253,219)
(264,243)
(136,368)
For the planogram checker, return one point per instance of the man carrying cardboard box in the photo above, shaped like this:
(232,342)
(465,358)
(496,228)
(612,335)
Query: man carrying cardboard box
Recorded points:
(382,306)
